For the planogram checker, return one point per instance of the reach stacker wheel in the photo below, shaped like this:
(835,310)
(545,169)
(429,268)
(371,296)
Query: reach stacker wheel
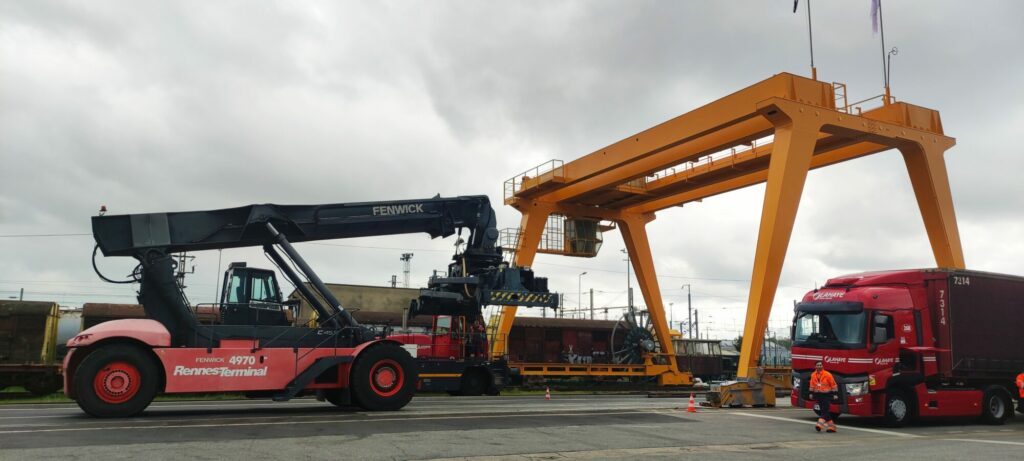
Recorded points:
(116,381)
(383,378)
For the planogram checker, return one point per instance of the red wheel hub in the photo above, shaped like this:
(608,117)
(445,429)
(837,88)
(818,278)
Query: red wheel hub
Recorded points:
(386,378)
(117,382)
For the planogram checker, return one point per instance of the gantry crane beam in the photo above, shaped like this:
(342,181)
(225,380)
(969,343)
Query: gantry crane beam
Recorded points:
(808,131)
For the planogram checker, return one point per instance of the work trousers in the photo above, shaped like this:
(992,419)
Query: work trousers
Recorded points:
(824,400)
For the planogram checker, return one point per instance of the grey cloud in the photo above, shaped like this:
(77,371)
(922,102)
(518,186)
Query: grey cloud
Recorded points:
(172,106)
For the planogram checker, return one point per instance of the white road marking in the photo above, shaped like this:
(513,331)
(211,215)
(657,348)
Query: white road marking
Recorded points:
(862,429)
(999,442)
(335,421)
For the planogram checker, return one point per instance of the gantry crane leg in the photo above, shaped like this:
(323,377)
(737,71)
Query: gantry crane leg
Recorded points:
(927,169)
(634,233)
(787,172)
(531,228)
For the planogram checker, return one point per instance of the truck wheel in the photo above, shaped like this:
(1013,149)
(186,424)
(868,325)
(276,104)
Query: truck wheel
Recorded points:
(899,409)
(995,406)
(116,381)
(383,378)
(474,382)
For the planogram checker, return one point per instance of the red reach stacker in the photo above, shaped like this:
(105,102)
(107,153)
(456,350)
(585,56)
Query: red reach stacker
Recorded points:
(116,368)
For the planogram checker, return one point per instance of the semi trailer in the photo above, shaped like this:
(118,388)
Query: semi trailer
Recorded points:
(910,344)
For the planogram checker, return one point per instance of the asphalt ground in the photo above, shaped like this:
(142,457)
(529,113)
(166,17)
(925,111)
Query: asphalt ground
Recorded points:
(485,428)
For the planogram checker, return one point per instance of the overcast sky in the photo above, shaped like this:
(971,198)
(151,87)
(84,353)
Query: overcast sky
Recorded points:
(168,106)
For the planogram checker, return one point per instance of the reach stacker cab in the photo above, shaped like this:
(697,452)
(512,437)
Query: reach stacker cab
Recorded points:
(115,369)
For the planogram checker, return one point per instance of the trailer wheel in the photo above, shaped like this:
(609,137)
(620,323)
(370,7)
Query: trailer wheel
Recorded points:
(115,381)
(899,409)
(996,406)
(383,378)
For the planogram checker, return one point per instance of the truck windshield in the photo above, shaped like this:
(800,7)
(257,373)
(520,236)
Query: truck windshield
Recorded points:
(830,330)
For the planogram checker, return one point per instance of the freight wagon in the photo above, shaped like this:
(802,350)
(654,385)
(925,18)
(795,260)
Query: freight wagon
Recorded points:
(28,346)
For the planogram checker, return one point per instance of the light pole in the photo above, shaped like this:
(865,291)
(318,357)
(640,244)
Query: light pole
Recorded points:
(579,286)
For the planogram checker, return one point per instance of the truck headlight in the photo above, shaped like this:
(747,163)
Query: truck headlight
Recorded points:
(796,382)
(856,389)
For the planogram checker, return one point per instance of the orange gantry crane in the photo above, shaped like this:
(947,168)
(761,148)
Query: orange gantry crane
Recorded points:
(773,132)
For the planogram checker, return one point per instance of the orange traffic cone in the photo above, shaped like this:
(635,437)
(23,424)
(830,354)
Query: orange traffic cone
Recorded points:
(692,407)
(547,393)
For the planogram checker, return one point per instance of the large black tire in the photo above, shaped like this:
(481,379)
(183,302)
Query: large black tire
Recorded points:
(338,398)
(116,381)
(899,408)
(474,382)
(996,406)
(383,378)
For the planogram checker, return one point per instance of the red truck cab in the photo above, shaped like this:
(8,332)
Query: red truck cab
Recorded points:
(912,343)
(453,357)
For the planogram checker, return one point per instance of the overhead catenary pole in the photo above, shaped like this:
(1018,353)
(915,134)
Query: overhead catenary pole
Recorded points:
(689,312)
(629,287)
(591,304)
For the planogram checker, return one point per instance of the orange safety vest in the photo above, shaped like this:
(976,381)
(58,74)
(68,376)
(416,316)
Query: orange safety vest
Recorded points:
(1020,384)
(823,382)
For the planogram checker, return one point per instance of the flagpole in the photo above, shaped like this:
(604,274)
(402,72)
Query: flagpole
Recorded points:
(885,67)
(810,39)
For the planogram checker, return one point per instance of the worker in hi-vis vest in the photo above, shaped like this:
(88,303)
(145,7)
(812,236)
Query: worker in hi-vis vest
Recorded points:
(823,390)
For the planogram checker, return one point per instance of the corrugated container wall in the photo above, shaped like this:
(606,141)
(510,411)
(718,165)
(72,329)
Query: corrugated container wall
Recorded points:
(986,324)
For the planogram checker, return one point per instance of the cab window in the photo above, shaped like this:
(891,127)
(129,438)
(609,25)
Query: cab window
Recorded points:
(444,325)
(263,289)
(236,289)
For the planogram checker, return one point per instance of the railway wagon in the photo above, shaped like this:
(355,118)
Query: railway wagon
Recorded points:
(28,346)
(560,340)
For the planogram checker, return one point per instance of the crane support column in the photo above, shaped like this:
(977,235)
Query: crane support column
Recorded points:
(795,137)
(634,233)
(532,227)
(927,169)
